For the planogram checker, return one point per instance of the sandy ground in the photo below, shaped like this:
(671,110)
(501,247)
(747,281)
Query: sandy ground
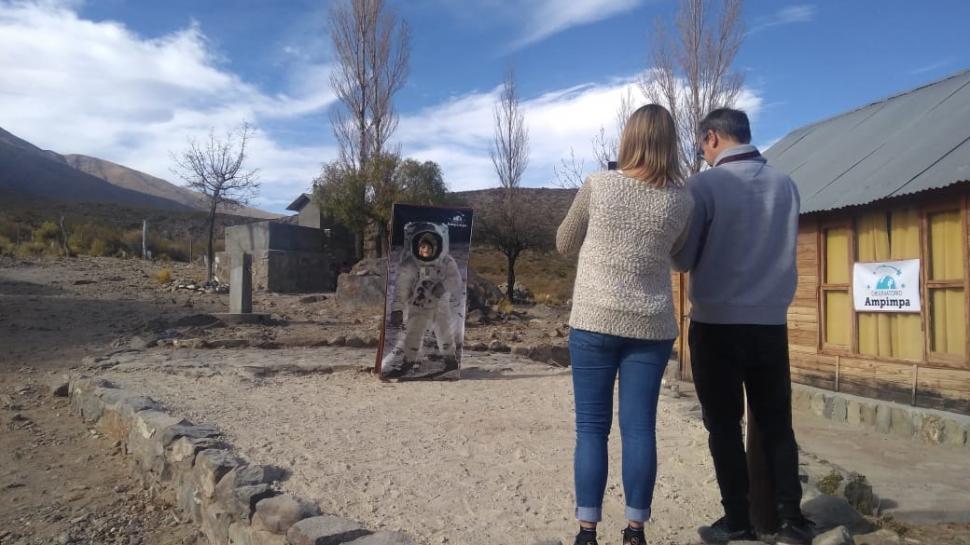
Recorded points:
(487,459)
(915,481)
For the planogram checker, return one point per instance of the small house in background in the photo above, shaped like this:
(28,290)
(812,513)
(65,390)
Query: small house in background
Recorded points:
(887,182)
(339,243)
(303,253)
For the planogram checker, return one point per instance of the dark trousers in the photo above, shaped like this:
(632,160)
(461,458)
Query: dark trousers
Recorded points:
(728,360)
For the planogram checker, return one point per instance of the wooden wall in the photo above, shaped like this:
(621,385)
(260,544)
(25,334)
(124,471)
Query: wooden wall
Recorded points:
(925,384)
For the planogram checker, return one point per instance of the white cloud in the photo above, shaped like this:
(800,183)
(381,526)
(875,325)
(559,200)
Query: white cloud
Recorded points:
(458,133)
(79,86)
(545,18)
(801,13)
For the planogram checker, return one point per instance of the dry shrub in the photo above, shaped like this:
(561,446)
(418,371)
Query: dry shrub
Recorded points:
(163,276)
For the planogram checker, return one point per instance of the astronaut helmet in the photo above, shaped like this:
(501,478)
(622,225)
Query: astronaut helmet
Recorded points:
(426,242)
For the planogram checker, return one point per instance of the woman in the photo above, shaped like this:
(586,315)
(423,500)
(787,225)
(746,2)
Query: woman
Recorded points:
(624,224)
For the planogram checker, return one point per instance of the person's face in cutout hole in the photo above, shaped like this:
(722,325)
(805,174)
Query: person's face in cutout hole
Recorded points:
(425,250)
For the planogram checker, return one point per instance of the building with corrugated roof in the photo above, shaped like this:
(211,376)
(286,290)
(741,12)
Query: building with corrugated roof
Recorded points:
(882,185)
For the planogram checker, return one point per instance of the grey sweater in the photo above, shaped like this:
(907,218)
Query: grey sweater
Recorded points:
(742,242)
(624,230)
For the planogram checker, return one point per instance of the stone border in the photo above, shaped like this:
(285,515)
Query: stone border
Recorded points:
(927,425)
(232,501)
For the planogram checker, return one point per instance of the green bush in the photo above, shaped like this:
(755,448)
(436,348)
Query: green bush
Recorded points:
(7,247)
(48,232)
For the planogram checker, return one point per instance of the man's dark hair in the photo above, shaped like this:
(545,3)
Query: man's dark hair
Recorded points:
(731,123)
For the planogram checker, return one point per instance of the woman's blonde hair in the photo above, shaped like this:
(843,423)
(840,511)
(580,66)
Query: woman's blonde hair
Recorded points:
(648,147)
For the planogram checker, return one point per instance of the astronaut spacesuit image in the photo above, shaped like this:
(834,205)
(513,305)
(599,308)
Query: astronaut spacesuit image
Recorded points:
(428,294)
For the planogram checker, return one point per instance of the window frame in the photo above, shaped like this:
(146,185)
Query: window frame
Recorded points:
(942,358)
(825,287)
(924,208)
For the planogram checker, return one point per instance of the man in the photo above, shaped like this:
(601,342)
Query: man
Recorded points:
(740,251)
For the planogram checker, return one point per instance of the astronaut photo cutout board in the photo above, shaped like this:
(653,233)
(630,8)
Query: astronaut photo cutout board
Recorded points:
(424,305)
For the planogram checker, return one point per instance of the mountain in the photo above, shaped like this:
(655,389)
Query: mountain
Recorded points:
(27,169)
(129,178)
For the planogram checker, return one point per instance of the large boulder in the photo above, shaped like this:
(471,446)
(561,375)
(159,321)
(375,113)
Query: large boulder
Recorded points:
(482,292)
(363,286)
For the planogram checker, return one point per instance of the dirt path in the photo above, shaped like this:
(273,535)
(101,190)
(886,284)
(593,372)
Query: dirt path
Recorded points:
(59,483)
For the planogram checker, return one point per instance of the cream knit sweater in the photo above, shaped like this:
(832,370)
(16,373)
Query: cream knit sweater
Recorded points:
(625,231)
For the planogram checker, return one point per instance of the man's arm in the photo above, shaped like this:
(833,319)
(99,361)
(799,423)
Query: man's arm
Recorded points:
(689,245)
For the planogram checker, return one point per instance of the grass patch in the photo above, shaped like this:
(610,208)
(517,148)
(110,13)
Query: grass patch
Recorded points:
(163,276)
(549,276)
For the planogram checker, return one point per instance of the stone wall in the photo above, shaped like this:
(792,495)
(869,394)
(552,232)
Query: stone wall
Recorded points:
(233,502)
(927,425)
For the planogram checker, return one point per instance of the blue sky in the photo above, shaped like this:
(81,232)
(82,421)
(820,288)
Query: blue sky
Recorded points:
(129,81)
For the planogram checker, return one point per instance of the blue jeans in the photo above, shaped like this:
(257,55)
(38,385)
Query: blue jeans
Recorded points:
(596,358)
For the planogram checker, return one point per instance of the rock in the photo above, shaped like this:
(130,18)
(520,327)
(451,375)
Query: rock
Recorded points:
(521,350)
(201,431)
(84,282)
(482,293)
(836,536)
(184,449)
(498,346)
(279,513)
(858,492)
(869,415)
(384,538)
(145,440)
(551,353)
(839,411)
(902,422)
(474,317)
(363,286)
(211,465)
(197,320)
(339,340)
(241,502)
(879,537)
(309,299)
(243,534)
(828,512)
(227,343)
(324,530)
(59,386)
(818,404)
(355,341)
(883,418)
(215,524)
(854,413)
(954,435)
(477,347)
(931,429)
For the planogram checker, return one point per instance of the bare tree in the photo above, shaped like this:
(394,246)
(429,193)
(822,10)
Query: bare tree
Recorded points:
(692,71)
(571,172)
(372,48)
(606,147)
(214,168)
(509,226)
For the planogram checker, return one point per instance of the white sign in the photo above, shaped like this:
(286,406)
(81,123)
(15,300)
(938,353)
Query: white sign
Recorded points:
(887,286)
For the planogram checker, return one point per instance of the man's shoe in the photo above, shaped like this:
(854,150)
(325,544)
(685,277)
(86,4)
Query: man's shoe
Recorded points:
(721,532)
(633,536)
(798,531)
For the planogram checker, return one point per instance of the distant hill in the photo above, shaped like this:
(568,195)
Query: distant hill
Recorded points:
(29,170)
(548,204)
(129,178)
